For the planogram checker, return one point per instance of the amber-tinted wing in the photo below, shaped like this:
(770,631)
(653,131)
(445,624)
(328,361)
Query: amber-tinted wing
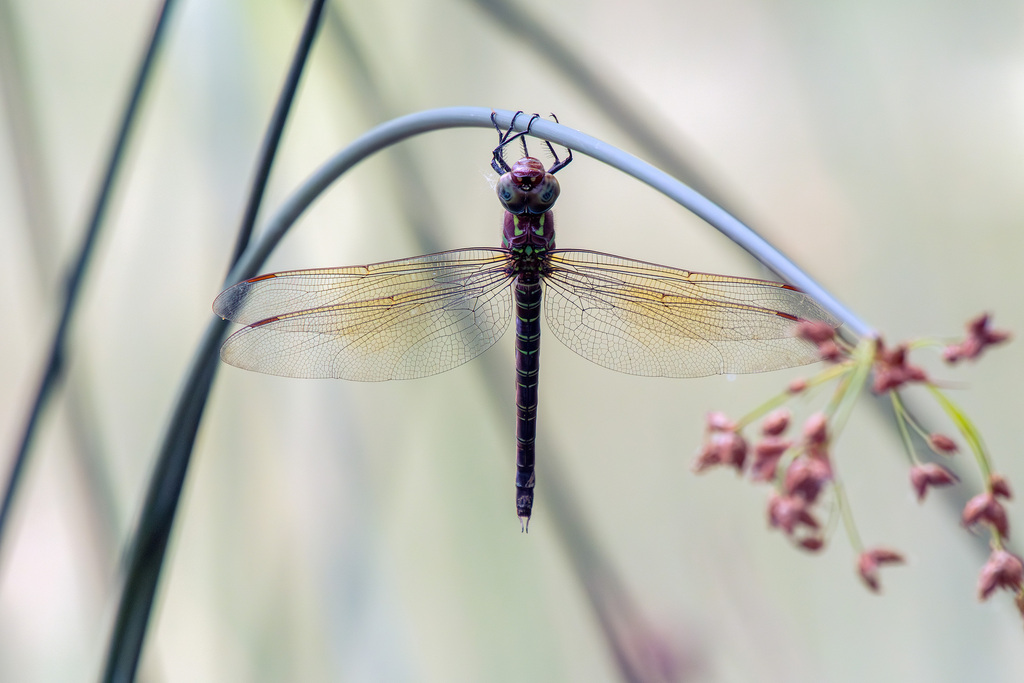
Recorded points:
(645,319)
(394,320)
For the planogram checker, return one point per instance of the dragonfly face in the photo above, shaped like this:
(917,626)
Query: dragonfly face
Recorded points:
(528,188)
(427,314)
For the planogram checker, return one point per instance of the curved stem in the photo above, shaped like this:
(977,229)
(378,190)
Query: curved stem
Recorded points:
(272,137)
(457,117)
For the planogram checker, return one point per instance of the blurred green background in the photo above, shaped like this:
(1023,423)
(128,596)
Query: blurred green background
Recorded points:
(366,532)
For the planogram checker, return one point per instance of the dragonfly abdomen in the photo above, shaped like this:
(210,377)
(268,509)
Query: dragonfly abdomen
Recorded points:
(528,296)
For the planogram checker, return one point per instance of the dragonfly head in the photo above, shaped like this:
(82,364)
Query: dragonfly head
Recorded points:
(527,188)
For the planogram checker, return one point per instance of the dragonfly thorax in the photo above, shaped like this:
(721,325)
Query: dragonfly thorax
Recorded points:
(527,235)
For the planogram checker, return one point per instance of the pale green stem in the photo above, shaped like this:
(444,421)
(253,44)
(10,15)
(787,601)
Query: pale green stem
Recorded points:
(849,390)
(842,405)
(847,514)
(901,421)
(925,342)
(779,399)
(968,430)
(763,409)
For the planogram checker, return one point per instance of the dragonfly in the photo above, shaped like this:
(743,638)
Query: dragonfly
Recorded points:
(420,316)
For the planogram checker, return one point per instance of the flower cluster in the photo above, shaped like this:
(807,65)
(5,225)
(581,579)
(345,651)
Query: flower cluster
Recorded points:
(979,337)
(801,468)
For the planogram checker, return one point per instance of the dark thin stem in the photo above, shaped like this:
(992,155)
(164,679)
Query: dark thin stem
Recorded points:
(272,138)
(25,136)
(53,370)
(149,545)
(147,552)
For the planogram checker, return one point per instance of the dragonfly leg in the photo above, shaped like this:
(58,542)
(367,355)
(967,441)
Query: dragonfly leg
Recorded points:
(506,138)
(497,160)
(503,137)
(522,136)
(559,163)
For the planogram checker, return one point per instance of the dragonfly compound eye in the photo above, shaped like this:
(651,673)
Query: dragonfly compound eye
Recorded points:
(543,196)
(510,196)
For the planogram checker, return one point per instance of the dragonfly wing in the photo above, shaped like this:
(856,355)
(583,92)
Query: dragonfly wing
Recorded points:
(394,320)
(645,319)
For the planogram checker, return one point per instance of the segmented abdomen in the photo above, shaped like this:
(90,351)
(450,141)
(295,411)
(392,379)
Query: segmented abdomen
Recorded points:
(528,297)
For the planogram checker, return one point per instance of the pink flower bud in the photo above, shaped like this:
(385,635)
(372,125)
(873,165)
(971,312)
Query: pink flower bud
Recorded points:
(798,386)
(984,508)
(776,422)
(806,477)
(722,448)
(787,513)
(1003,570)
(767,453)
(816,429)
(812,543)
(942,443)
(815,331)
(979,337)
(830,351)
(719,422)
(930,474)
(999,487)
(869,562)
(952,354)
(892,369)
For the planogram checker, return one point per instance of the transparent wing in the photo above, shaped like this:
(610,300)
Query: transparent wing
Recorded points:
(394,320)
(645,319)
